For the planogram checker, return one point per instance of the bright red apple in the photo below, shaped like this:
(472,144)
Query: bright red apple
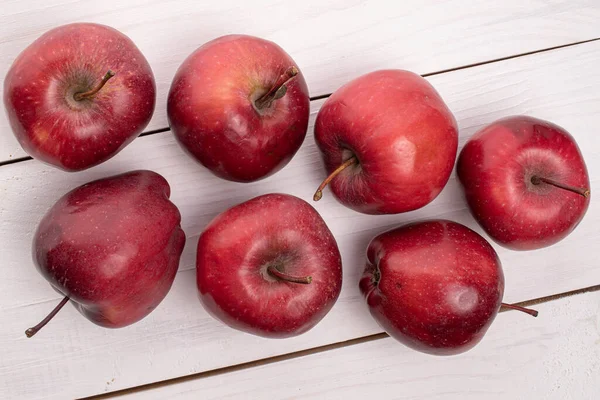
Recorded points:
(240,106)
(435,286)
(79,94)
(112,247)
(269,266)
(525,181)
(388,141)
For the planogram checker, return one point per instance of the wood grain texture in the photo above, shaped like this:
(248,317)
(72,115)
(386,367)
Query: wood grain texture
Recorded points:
(553,357)
(332,41)
(72,357)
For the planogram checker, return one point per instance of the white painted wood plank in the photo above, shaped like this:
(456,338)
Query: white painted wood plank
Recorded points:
(332,41)
(553,357)
(179,338)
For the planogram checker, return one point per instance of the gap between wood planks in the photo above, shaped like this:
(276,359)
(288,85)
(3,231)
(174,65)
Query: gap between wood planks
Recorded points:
(324,96)
(307,352)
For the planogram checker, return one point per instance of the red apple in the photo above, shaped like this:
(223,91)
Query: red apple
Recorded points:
(239,105)
(525,182)
(112,247)
(388,142)
(79,94)
(269,266)
(435,286)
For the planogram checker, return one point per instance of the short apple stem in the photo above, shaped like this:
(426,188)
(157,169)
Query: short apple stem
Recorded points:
(278,89)
(273,271)
(85,95)
(32,331)
(529,311)
(537,180)
(319,193)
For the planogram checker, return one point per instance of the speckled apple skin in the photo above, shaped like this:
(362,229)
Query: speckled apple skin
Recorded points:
(495,169)
(112,246)
(237,247)
(404,137)
(436,286)
(74,135)
(212,114)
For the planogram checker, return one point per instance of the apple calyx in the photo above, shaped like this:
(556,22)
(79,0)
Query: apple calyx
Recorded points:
(32,331)
(276,273)
(277,91)
(376,277)
(319,193)
(90,93)
(529,311)
(538,180)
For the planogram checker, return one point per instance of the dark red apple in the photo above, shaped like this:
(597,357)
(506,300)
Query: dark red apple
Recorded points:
(435,286)
(388,141)
(240,106)
(112,247)
(269,266)
(525,181)
(79,94)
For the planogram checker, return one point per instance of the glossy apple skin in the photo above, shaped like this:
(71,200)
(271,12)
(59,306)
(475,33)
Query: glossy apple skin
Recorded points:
(212,114)
(50,124)
(495,169)
(112,246)
(436,286)
(237,247)
(404,136)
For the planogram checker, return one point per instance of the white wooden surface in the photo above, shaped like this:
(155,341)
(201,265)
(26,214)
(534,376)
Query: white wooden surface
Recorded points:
(553,357)
(72,357)
(332,41)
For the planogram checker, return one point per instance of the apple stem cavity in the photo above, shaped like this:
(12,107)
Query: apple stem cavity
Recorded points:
(538,180)
(90,93)
(273,271)
(529,311)
(278,89)
(319,193)
(32,331)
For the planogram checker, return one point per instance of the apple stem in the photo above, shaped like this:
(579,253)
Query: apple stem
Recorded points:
(278,89)
(536,180)
(319,193)
(84,95)
(529,311)
(32,331)
(272,270)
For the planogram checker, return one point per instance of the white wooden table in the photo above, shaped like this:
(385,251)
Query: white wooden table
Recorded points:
(488,59)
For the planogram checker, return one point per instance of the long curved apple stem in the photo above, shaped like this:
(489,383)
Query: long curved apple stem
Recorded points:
(278,89)
(319,193)
(272,270)
(85,95)
(32,331)
(536,180)
(529,311)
